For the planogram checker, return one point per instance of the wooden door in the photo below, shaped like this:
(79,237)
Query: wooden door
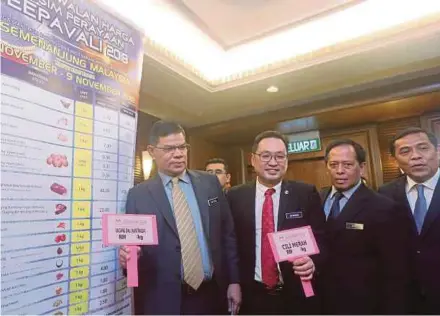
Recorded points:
(312,171)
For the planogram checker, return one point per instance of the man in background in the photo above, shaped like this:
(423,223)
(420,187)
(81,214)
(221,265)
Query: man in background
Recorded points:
(418,194)
(367,268)
(219,167)
(267,205)
(196,262)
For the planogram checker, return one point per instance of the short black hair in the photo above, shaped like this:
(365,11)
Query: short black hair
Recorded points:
(359,150)
(269,134)
(162,129)
(409,131)
(217,160)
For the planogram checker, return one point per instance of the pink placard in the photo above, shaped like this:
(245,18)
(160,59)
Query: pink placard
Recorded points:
(288,245)
(129,229)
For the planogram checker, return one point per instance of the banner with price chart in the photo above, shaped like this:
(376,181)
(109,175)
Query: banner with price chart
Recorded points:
(70,78)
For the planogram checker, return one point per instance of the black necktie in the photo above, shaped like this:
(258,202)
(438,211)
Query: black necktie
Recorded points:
(336,209)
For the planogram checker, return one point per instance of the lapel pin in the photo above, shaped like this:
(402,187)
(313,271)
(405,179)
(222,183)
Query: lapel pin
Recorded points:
(286,192)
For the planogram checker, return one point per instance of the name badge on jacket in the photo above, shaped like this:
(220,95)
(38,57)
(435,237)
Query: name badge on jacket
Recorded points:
(212,201)
(355,226)
(294,215)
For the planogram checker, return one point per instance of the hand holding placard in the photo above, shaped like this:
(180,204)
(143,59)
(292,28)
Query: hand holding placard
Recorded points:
(132,231)
(288,245)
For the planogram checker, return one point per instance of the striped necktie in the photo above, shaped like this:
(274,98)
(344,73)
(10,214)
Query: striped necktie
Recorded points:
(191,255)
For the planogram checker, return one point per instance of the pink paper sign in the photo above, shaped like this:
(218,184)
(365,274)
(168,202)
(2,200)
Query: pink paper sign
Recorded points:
(129,229)
(288,245)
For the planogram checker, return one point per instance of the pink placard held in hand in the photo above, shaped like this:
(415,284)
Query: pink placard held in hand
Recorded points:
(288,245)
(130,230)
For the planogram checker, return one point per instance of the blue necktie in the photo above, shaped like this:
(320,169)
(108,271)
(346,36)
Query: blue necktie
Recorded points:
(336,209)
(420,209)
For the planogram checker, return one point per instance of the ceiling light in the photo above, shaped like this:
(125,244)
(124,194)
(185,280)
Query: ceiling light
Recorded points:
(169,29)
(272,89)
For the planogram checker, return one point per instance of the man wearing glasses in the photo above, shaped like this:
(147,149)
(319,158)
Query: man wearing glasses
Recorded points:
(195,264)
(219,167)
(272,204)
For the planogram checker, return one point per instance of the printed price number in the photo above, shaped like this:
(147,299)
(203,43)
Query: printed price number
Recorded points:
(105,157)
(104,268)
(103,280)
(105,175)
(104,291)
(104,190)
(107,145)
(103,301)
(104,209)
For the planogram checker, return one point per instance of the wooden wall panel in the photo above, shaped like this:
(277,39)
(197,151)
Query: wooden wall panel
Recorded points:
(202,150)
(386,132)
(145,122)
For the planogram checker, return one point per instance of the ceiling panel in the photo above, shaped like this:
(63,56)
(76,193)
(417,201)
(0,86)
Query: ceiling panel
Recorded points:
(232,22)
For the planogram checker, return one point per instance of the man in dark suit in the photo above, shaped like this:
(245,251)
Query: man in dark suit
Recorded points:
(367,267)
(196,261)
(418,194)
(266,205)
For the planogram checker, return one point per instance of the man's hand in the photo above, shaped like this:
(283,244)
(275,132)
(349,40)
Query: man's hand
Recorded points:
(304,267)
(234,298)
(125,254)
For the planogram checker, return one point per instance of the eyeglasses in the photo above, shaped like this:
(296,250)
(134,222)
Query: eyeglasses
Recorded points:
(266,156)
(216,171)
(172,149)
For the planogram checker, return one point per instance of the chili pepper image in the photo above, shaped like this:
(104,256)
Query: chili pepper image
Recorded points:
(61,225)
(59,276)
(59,250)
(58,188)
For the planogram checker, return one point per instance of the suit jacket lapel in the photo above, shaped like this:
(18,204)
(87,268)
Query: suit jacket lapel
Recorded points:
(249,216)
(202,200)
(353,206)
(324,194)
(433,211)
(158,194)
(288,202)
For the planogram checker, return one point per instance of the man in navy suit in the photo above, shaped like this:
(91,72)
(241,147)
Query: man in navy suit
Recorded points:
(367,268)
(195,264)
(418,194)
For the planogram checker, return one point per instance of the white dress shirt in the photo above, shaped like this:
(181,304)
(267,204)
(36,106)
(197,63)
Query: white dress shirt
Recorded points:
(259,200)
(411,190)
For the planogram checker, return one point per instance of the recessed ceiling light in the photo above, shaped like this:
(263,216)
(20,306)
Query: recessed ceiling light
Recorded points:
(272,89)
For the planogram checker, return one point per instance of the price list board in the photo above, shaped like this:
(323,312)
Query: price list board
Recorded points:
(69,95)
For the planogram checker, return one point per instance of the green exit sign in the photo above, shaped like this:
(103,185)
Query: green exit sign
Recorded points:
(304,146)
